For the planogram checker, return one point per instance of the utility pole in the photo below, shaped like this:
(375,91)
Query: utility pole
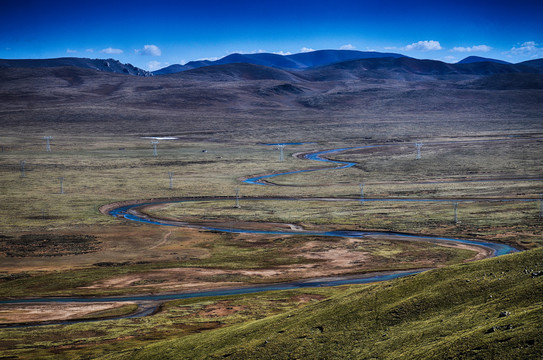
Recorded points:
(456,212)
(23,168)
(48,143)
(419,146)
(154,142)
(541,206)
(237,198)
(362,193)
(281,147)
(61,179)
(170,174)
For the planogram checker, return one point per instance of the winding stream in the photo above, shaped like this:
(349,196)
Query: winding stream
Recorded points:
(316,156)
(129,212)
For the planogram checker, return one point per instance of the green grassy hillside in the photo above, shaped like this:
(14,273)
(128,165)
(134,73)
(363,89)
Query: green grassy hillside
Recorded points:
(491,309)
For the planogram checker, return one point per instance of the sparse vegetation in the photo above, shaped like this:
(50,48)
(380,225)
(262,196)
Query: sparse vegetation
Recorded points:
(449,312)
(479,143)
(484,310)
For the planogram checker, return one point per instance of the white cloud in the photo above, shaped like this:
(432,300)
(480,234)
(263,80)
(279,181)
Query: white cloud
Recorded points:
(152,50)
(476,48)
(155,65)
(70,51)
(306,49)
(528,48)
(450,59)
(90,50)
(215,58)
(425,45)
(282,53)
(110,50)
(347,47)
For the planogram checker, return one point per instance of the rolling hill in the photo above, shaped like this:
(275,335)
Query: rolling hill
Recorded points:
(288,62)
(474,59)
(237,72)
(212,98)
(488,309)
(410,69)
(106,65)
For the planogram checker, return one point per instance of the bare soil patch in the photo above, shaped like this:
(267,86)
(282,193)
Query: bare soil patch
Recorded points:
(22,313)
(47,245)
(220,308)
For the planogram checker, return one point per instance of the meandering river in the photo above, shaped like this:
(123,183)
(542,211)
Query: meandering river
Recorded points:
(128,212)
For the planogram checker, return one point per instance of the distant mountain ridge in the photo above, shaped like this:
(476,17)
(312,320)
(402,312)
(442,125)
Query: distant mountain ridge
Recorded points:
(106,65)
(321,65)
(298,61)
(474,59)
(401,68)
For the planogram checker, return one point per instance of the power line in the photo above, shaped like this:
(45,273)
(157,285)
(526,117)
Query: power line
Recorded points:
(154,142)
(170,174)
(48,143)
(237,198)
(456,212)
(61,179)
(419,146)
(281,156)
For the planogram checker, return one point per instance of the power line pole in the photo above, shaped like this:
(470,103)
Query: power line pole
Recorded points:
(154,142)
(281,147)
(541,206)
(362,193)
(456,212)
(419,146)
(23,168)
(61,179)
(170,174)
(237,198)
(48,143)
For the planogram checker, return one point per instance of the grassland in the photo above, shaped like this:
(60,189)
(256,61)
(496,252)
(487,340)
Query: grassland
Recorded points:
(98,123)
(516,223)
(104,169)
(175,319)
(452,312)
(485,310)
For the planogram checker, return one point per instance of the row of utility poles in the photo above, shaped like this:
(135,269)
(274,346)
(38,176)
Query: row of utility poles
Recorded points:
(281,158)
(281,148)
(362,200)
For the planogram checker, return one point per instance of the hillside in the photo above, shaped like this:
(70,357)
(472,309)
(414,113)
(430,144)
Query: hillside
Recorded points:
(484,310)
(511,81)
(408,69)
(237,72)
(298,61)
(473,59)
(212,99)
(106,65)
(534,63)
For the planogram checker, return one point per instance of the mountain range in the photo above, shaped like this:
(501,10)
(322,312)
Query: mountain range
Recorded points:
(297,64)
(104,96)
(290,62)
(106,65)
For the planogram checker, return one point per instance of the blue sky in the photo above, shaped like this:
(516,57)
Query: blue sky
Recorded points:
(154,34)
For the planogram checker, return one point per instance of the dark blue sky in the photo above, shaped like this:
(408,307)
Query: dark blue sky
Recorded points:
(153,34)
